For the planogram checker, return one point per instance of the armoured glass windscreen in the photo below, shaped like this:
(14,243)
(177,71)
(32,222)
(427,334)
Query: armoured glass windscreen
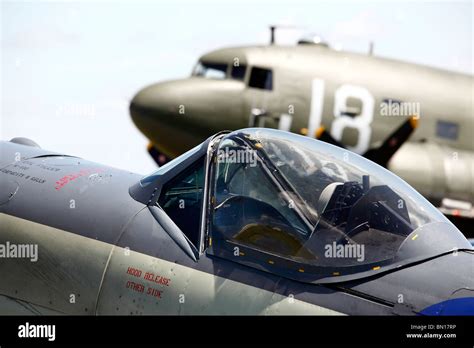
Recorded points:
(310,202)
(181,198)
(150,178)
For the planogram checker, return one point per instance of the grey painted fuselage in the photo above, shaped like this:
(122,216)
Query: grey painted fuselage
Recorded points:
(102,252)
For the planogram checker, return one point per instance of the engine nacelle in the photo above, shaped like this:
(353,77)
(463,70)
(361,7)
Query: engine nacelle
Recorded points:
(436,171)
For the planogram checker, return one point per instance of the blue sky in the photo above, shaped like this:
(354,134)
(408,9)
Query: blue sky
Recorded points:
(69,69)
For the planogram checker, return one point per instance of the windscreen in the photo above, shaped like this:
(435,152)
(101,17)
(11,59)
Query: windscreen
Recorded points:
(210,70)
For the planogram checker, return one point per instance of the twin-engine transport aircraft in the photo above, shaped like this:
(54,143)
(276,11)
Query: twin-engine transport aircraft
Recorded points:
(415,120)
(256,221)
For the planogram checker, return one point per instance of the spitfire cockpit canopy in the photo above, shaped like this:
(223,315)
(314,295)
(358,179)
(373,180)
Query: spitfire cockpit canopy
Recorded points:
(304,207)
(296,207)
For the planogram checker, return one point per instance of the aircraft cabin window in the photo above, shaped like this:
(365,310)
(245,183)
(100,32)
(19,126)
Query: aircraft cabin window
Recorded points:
(211,70)
(447,130)
(261,78)
(238,72)
(181,199)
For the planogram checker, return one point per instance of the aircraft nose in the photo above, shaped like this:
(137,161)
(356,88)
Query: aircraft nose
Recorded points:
(179,114)
(156,111)
(148,104)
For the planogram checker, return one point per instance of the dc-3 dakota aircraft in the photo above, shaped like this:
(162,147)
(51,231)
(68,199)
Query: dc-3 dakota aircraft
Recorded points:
(414,120)
(255,221)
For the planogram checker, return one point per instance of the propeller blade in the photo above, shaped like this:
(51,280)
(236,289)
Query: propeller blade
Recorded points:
(157,156)
(323,135)
(384,152)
